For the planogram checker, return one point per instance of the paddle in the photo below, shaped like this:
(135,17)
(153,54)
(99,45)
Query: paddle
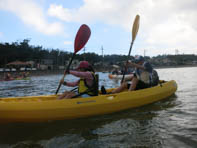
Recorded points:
(134,33)
(81,39)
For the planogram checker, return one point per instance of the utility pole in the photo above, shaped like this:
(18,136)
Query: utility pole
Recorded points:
(144,52)
(176,51)
(102,56)
(102,52)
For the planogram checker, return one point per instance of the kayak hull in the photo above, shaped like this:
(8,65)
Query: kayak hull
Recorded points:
(46,108)
(27,78)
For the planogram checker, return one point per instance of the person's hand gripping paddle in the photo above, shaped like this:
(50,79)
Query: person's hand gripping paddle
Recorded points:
(134,33)
(81,39)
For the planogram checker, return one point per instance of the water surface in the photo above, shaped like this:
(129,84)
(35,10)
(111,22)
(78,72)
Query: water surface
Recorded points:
(168,123)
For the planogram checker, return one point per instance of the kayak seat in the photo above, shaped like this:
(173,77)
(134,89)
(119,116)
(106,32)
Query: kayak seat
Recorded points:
(103,90)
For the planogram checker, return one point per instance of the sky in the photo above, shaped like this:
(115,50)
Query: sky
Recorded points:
(166,26)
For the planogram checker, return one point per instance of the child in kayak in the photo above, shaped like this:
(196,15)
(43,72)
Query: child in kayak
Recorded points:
(87,84)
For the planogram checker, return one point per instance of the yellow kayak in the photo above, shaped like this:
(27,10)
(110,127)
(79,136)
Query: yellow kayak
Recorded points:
(47,108)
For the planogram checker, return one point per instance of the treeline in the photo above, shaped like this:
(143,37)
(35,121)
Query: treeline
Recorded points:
(174,60)
(24,52)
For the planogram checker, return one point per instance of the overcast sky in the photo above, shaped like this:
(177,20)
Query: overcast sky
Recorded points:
(166,26)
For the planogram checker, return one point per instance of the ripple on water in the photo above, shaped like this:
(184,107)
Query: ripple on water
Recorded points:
(169,123)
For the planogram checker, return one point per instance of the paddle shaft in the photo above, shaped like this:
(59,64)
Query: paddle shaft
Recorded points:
(127,61)
(134,33)
(67,69)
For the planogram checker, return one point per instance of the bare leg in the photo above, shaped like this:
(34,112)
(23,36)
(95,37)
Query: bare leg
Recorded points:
(119,89)
(70,95)
(133,84)
(66,95)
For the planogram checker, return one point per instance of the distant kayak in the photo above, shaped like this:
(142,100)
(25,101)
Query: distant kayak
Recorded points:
(27,78)
(118,77)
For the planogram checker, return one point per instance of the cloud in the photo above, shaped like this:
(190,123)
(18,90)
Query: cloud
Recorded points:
(94,11)
(166,24)
(31,14)
(67,42)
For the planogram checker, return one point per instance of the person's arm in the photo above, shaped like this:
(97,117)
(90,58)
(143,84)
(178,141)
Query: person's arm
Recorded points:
(128,78)
(131,64)
(71,84)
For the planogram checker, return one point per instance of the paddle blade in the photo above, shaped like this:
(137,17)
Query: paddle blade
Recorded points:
(135,27)
(82,37)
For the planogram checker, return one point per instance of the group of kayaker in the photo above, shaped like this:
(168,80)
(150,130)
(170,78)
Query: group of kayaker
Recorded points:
(9,77)
(144,76)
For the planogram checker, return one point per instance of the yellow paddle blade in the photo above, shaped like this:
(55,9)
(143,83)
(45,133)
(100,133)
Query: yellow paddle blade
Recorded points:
(135,27)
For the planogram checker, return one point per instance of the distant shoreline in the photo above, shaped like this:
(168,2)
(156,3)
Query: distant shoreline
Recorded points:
(163,67)
(35,73)
(55,72)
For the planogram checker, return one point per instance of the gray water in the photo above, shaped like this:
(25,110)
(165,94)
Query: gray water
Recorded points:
(165,124)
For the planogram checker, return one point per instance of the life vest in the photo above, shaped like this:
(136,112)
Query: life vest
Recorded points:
(144,76)
(151,78)
(90,90)
(154,78)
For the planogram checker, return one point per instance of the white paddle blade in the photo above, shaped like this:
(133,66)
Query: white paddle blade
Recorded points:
(135,27)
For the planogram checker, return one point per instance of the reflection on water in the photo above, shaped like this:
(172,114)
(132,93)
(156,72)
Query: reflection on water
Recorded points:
(168,123)
(126,125)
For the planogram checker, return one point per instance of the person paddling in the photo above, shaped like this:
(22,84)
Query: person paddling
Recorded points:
(142,77)
(87,84)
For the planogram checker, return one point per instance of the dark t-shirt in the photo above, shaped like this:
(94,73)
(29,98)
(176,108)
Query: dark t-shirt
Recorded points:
(147,67)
